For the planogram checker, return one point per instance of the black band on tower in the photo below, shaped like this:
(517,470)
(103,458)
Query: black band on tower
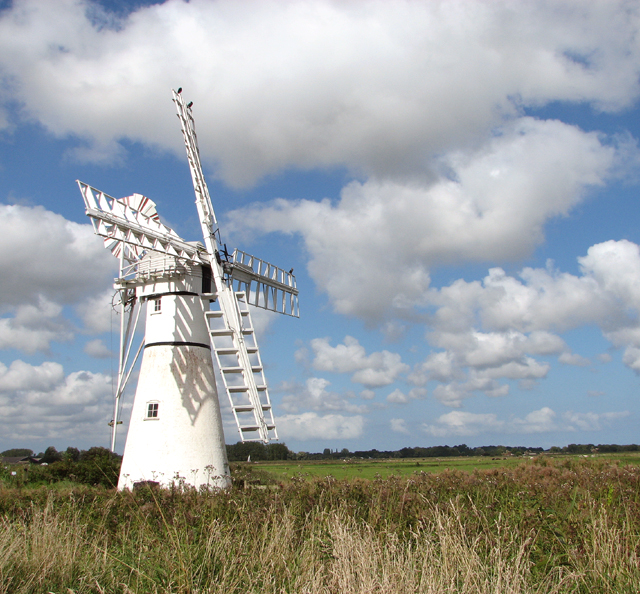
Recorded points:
(178,343)
(156,295)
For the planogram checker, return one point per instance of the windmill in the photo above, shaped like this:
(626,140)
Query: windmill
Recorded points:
(197,299)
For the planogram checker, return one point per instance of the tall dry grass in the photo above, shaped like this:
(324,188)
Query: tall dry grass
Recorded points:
(536,528)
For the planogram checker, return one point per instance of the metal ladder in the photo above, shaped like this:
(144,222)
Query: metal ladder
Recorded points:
(245,384)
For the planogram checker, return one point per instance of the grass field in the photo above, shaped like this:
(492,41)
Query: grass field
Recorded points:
(565,525)
(385,468)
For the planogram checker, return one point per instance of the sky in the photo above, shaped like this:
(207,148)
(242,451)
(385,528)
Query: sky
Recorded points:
(454,183)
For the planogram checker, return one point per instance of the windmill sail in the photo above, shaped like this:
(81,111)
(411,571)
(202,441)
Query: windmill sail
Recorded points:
(260,284)
(264,284)
(133,222)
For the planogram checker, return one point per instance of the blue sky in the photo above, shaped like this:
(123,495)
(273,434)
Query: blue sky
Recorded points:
(455,184)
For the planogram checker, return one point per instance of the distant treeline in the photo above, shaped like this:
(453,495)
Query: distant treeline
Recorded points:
(95,466)
(86,463)
(279,451)
(240,452)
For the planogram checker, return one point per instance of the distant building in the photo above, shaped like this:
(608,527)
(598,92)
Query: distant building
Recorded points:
(20,460)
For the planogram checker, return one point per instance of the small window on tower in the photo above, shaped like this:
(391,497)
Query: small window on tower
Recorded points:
(157,305)
(152,410)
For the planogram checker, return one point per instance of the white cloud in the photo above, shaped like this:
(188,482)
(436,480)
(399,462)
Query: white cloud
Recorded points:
(96,348)
(439,366)
(68,265)
(454,393)
(314,395)
(615,266)
(526,369)
(372,251)
(98,313)
(573,359)
(631,358)
(541,300)
(421,101)
(41,402)
(21,376)
(394,331)
(475,361)
(373,371)
(34,327)
(397,397)
(498,328)
(310,425)
(67,262)
(463,423)
(399,426)
(537,421)
(377,86)
(367,394)
(591,421)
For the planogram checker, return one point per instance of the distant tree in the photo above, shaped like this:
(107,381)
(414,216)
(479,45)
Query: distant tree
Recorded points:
(51,455)
(72,454)
(464,450)
(578,448)
(97,466)
(96,453)
(326,452)
(277,451)
(241,451)
(15,452)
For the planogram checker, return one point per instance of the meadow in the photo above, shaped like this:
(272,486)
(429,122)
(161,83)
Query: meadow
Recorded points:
(352,468)
(534,526)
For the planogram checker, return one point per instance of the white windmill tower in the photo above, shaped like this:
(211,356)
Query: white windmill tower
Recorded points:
(197,299)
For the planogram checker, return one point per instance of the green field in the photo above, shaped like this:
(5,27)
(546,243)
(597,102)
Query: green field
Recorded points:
(561,524)
(285,471)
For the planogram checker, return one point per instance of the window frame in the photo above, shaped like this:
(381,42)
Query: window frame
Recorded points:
(148,416)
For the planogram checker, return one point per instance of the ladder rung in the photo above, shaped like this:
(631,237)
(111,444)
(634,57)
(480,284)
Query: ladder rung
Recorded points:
(245,388)
(223,332)
(255,427)
(237,369)
(233,350)
(227,351)
(249,407)
(213,314)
